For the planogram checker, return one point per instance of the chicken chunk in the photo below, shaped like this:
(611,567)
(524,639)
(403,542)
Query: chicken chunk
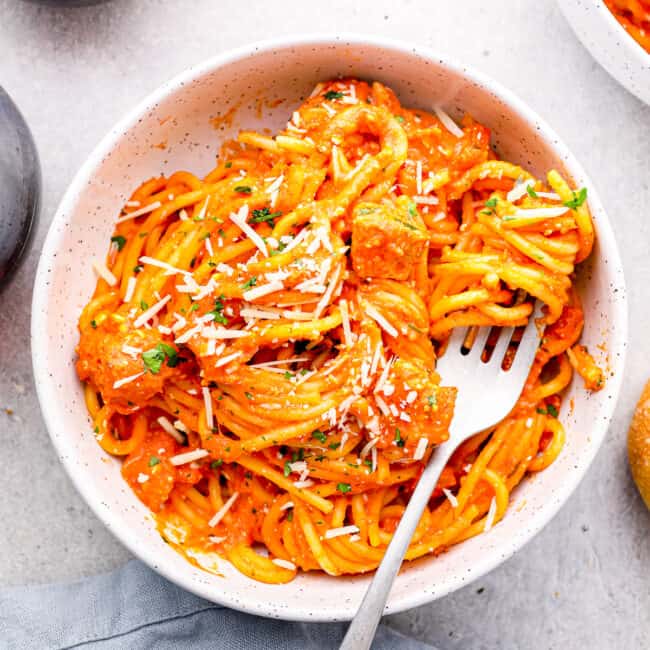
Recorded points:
(387,240)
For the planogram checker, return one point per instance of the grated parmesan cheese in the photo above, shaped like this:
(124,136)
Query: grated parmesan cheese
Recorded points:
(219,515)
(450,497)
(189,457)
(285,564)
(380,320)
(447,122)
(207,400)
(343,530)
(104,273)
(151,312)
(138,213)
(127,380)
(489,519)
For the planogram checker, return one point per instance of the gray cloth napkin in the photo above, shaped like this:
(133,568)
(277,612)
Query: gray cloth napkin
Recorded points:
(133,607)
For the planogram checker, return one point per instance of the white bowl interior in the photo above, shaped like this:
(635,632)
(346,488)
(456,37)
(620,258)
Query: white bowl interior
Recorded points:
(180,115)
(610,44)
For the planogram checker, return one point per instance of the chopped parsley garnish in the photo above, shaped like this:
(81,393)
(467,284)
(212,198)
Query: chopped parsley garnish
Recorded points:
(333,94)
(243,189)
(413,211)
(398,438)
(290,515)
(195,306)
(319,435)
(399,118)
(279,249)
(250,283)
(407,224)
(334,445)
(216,463)
(119,241)
(531,192)
(228,165)
(578,199)
(217,312)
(433,400)
(265,215)
(417,329)
(138,268)
(491,203)
(287,468)
(144,305)
(153,461)
(155,357)
(343,487)
(552,411)
(93,324)
(248,395)
(288,375)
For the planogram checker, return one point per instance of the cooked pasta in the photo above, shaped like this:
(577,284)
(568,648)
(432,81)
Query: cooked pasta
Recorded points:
(634,16)
(260,347)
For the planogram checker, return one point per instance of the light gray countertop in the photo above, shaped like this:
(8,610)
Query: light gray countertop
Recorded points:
(585,580)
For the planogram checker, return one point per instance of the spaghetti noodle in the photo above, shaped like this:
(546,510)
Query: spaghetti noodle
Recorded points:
(260,347)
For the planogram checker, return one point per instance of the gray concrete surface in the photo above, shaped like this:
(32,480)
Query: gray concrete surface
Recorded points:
(585,580)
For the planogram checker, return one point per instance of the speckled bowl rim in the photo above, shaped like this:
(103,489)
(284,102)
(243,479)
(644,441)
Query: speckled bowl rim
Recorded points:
(45,384)
(625,57)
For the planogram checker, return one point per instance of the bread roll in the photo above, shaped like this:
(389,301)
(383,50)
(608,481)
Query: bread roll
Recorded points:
(638,445)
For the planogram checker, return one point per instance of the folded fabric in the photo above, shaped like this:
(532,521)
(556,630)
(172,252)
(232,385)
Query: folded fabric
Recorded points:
(133,607)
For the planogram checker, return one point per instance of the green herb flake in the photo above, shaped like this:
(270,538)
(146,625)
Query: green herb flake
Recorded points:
(343,487)
(144,305)
(243,189)
(155,357)
(334,445)
(413,210)
(194,306)
(264,215)
(93,324)
(578,199)
(531,192)
(119,241)
(552,411)
(216,463)
(248,395)
(153,461)
(290,516)
(407,224)
(319,435)
(399,118)
(491,203)
(250,283)
(333,94)
(398,438)
(287,468)
(138,268)
(228,165)
(433,400)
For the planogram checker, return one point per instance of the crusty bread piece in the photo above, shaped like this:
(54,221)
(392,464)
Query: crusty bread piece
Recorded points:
(638,445)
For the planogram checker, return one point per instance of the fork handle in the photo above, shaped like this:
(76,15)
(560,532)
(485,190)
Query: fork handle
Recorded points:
(364,624)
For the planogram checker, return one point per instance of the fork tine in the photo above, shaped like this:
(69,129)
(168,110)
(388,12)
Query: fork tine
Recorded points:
(529,342)
(479,342)
(456,341)
(502,345)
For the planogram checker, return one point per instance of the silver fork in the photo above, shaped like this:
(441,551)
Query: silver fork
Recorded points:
(486,394)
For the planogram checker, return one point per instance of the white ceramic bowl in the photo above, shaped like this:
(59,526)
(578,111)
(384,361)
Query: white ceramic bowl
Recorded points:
(288,70)
(609,43)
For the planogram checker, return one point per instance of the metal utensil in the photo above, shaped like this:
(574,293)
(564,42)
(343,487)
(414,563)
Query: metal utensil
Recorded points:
(486,394)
